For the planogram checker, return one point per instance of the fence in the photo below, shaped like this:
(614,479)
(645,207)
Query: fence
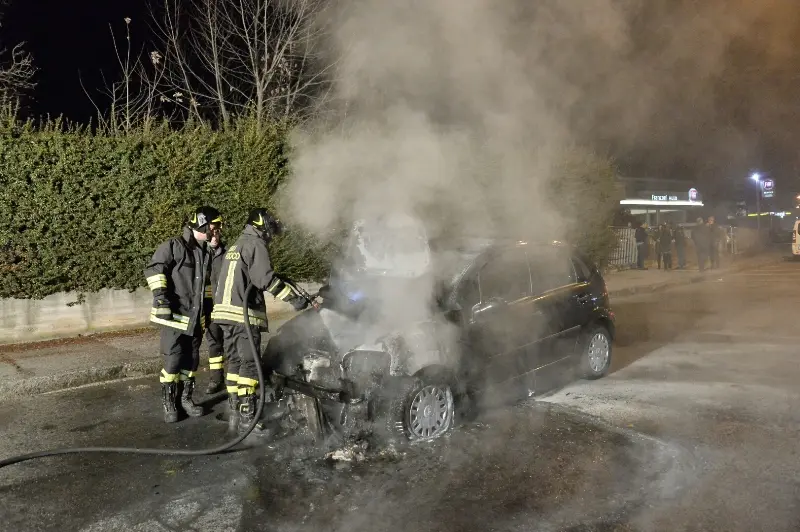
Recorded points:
(624,255)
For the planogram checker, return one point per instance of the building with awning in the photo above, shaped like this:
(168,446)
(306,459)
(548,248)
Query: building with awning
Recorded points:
(656,201)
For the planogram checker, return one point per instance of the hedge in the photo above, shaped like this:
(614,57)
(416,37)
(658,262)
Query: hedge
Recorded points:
(83,211)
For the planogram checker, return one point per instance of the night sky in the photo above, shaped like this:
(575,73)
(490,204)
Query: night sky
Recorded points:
(755,122)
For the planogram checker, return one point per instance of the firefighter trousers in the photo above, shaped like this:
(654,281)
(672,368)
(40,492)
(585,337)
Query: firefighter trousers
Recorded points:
(215,340)
(241,376)
(181,354)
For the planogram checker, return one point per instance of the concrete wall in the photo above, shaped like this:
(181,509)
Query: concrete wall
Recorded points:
(59,315)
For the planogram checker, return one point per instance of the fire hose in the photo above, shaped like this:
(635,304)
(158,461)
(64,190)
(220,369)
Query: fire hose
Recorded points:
(179,452)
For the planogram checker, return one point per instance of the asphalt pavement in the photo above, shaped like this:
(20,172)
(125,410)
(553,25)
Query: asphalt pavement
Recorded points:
(695,429)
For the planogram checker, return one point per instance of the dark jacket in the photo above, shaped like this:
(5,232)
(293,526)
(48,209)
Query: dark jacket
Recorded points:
(680,238)
(247,261)
(177,275)
(665,240)
(640,235)
(701,236)
(217,256)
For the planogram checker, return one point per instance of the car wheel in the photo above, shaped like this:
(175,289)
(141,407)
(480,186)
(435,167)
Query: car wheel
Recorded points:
(424,410)
(596,352)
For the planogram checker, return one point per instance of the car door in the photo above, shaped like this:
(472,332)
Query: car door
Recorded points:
(556,290)
(498,321)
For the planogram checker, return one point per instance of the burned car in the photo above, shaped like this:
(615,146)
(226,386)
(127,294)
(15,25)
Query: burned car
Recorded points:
(410,343)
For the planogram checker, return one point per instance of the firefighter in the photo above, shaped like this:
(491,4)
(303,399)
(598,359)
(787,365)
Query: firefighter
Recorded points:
(178,274)
(245,262)
(214,338)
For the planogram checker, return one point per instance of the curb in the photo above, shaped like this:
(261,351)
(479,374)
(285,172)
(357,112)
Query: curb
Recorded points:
(73,379)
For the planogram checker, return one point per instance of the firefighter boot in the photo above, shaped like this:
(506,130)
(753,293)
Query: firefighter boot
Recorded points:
(233,412)
(247,413)
(191,409)
(217,383)
(169,396)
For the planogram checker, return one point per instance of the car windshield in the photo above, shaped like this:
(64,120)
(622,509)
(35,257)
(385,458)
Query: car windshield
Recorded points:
(395,248)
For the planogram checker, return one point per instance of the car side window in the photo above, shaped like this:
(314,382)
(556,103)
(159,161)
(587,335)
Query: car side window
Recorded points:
(584,273)
(550,271)
(506,277)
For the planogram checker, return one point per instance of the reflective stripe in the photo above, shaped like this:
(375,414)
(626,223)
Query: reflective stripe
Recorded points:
(163,311)
(186,375)
(233,309)
(158,280)
(215,365)
(244,381)
(232,377)
(274,286)
(286,292)
(233,389)
(177,322)
(228,293)
(238,317)
(250,390)
(168,377)
(215,359)
(209,294)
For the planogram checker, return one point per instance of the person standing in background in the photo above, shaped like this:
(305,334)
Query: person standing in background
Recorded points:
(680,246)
(641,246)
(701,238)
(665,245)
(714,240)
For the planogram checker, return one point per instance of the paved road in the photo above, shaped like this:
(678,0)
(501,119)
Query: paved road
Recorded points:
(696,429)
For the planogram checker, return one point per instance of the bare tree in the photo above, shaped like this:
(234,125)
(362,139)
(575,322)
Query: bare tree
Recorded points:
(234,57)
(135,99)
(16,70)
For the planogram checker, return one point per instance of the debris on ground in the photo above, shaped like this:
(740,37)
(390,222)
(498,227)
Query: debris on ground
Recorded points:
(355,452)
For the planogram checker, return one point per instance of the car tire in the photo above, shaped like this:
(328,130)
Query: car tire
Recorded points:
(422,410)
(595,352)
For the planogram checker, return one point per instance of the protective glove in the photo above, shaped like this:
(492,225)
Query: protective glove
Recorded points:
(161,304)
(299,303)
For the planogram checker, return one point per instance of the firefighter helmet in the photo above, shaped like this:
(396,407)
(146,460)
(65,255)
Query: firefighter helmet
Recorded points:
(203,217)
(265,223)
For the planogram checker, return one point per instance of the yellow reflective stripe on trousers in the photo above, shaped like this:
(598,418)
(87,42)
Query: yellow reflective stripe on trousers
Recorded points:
(233,389)
(185,375)
(209,294)
(215,363)
(168,377)
(214,360)
(158,280)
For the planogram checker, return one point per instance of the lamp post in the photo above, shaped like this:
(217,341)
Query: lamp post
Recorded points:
(757,178)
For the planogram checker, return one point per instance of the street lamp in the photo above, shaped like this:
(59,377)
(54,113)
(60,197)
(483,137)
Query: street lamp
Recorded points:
(757,178)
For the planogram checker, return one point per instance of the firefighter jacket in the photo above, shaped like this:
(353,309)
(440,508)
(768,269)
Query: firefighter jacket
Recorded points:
(247,261)
(217,255)
(178,274)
